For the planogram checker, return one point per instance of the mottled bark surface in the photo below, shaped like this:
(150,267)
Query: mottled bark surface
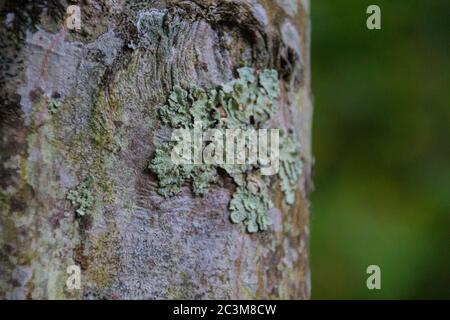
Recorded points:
(108,81)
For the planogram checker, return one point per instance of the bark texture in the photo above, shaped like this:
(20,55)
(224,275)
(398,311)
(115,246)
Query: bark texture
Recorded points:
(83,104)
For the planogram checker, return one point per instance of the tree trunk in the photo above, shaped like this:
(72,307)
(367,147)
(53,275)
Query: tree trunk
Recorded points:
(83,104)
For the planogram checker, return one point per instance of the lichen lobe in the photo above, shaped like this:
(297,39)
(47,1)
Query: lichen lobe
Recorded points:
(248,102)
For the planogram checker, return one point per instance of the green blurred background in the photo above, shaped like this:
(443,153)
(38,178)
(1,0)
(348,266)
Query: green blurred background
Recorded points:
(381,141)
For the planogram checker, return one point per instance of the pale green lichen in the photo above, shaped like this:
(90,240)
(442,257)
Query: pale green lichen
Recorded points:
(82,196)
(269,81)
(171,177)
(186,107)
(202,177)
(250,204)
(244,103)
(290,166)
(53,105)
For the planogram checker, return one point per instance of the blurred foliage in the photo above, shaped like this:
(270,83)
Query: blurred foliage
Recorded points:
(381,144)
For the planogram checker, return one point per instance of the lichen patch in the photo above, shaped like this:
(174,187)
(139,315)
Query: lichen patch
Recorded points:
(248,102)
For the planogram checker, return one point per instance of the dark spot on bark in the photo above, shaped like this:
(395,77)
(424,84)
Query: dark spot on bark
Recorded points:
(9,249)
(290,66)
(85,223)
(10,111)
(56,95)
(27,14)
(36,94)
(17,205)
(79,258)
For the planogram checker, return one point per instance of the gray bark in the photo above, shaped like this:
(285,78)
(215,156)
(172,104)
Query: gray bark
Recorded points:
(109,79)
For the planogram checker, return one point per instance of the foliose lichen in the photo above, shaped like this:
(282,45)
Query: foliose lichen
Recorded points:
(82,196)
(250,204)
(171,177)
(291,166)
(53,105)
(248,102)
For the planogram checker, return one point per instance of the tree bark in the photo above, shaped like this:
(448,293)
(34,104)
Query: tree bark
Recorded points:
(78,104)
